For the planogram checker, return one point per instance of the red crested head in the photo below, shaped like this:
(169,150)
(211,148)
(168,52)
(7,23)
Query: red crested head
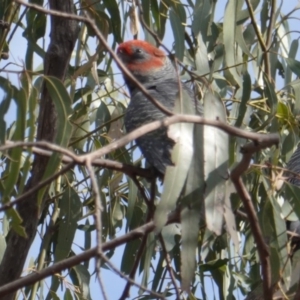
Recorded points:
(140,56)
(145,61)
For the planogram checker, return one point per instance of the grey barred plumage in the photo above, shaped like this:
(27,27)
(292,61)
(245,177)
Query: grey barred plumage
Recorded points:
(156,72)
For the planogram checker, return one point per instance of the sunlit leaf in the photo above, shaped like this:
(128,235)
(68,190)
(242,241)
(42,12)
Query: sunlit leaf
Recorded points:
(216,164)
(182,153)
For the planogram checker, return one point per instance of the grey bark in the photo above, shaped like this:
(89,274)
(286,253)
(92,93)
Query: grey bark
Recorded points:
(62,40)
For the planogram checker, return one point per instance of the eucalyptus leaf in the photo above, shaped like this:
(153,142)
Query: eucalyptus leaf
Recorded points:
(182,154)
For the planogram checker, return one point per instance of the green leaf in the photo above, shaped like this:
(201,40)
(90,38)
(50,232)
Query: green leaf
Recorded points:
(70,213)
(54,295)
(155,12)
(189,240)
(214,264)
(2,246)
(68,295)
(216,163)
(163,12)
(32,96)
(117,212)
(150,244)
(241,41)
(87,240)
(158,272)
(132,198)
(62,101)
(54,286)
(229,38)
(146,4)
(243,15)
(113,9)
(292,194)
(296,87)
(5,85)
(242,107)
(103,116)
(273,102)
(201,18)
(182,153)
(291,54)
(178,32)
(274,229)
(129,256)
(15,155)
(81,278)
(192,209)
(201,57)
(294,65)
(16,222)
(168,234)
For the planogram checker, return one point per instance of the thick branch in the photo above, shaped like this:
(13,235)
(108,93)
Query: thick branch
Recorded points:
(234,131)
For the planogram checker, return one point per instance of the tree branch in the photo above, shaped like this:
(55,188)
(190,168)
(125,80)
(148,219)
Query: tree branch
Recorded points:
(86,255)
(262,247)
(263,45)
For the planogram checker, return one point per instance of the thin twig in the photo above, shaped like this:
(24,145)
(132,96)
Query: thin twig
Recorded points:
(42,144)
(262,44)
(102,287)
(132,282)
(98,223)
(255,27)
(138,257)
(169,267)
(137,260)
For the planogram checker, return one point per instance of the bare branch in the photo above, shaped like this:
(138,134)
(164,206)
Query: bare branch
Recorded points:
(132,282)
(234,131)
(264,46)
(169,267)
(86,255)
(70,157)
(262,247)
(98,222)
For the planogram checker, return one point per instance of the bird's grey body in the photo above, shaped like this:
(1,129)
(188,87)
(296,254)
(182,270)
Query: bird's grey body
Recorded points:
(153,69)
(156,146)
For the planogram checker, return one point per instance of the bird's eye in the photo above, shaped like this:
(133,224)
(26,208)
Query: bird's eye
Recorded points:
(138,51)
